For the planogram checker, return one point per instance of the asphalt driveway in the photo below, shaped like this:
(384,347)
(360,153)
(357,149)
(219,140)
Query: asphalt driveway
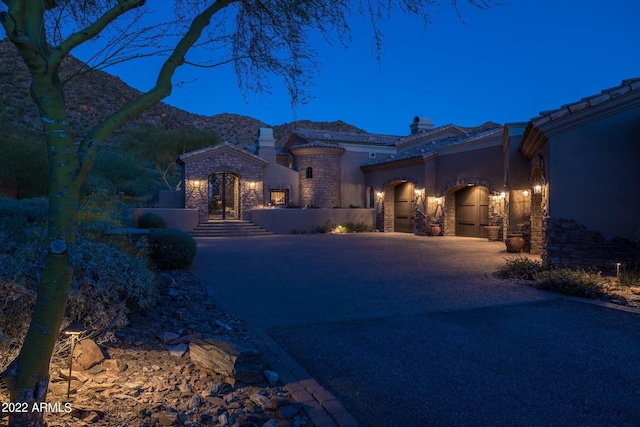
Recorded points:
(413,331)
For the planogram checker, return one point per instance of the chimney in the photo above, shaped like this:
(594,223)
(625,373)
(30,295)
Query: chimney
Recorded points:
(266,144)
(420,124)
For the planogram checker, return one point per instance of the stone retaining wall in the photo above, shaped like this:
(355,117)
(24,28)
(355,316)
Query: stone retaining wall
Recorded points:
(573,245)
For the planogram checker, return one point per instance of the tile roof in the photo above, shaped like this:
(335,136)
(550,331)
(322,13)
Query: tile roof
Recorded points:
(432,146)
(626,87)
(316,144)
(349,137)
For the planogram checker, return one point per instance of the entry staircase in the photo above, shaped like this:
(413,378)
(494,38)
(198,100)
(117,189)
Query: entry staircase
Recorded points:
(228,228)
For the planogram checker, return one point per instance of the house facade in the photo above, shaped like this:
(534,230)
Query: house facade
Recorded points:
(561,180)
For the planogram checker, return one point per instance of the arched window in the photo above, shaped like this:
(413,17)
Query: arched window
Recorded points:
(309,174)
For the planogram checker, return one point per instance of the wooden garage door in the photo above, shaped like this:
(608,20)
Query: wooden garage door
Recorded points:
(472,211)
(403,204)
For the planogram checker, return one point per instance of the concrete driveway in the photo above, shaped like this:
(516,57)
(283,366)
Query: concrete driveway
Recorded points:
(413,331)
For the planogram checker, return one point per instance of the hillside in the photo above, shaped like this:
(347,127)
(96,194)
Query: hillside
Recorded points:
(93,95)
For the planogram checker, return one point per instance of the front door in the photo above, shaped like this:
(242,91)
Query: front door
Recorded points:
(403,204)
(224,196)
(472,211)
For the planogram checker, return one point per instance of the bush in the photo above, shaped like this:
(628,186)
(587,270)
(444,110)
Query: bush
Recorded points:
(521,268)
(107,284)
(171,249)
(572,282)
(629,276)
(150,220)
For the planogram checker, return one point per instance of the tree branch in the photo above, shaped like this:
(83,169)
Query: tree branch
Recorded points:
(89,32)
(91,142)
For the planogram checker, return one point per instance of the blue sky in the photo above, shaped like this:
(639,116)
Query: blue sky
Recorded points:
(505,64)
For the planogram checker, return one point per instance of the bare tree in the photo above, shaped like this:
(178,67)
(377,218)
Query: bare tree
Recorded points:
(262,38)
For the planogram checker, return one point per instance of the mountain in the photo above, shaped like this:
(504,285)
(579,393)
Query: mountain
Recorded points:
(91,96)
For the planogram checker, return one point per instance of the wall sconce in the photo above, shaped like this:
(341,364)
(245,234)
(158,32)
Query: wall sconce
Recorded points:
(73,330)
(439,200)
(525,193)
(537,189)
(380,194)
(196,183)
(419,192)
(252,185)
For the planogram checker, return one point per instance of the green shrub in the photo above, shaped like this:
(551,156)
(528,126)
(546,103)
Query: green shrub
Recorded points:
(572,282)
(171,249)
(521,268)
(150,220)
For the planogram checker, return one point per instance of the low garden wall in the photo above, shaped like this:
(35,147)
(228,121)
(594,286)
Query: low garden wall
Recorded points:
(288,221)
(570,244)
(182,219)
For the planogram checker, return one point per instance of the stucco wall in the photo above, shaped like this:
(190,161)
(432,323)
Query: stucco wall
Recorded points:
(182,219)
(286,221)
(485,163)
(594,172)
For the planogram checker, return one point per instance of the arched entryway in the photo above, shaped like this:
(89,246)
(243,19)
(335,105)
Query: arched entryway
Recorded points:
(472,211)
(224,196)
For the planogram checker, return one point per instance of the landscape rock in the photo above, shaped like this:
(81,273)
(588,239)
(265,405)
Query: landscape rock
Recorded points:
(241,361)
(142,385)
(88,354)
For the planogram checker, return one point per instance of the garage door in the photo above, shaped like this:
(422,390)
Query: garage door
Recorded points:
(403,204)
(472,211)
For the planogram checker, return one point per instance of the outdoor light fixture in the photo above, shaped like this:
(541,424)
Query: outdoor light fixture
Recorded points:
(252,185)
(618,265)
(537,189)
(438,200)
(73,331)
(525,193)
(380,194)
(196,183)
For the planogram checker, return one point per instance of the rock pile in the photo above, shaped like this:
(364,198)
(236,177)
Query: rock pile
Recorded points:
(147,379)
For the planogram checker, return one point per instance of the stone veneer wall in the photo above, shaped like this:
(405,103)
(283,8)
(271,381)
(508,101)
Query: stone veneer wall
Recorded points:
(323,189)
(572,244)
(197,197)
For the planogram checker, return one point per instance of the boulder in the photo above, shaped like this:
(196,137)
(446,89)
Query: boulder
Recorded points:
(241,361)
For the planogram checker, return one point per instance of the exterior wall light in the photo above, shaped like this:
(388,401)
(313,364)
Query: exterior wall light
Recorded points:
(502,195)
(380,194)
(537,189)
(252,185)
(525,193)
(196,183)
(439,200)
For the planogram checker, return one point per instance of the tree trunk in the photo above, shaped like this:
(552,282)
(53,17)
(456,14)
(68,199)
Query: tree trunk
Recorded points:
(28,375)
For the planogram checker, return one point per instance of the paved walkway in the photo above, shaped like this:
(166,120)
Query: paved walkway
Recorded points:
(412,331)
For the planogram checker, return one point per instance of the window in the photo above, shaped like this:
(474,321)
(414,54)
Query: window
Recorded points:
(278,197)
(309,174)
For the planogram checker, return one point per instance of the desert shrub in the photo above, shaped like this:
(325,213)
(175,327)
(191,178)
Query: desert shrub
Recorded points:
(171,248)
(521,268)
(151,220)
(107,284)
(21,221)
(629,275)
(572,282)
(358,227)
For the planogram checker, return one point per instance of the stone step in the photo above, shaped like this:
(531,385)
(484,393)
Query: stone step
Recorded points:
(228,229)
